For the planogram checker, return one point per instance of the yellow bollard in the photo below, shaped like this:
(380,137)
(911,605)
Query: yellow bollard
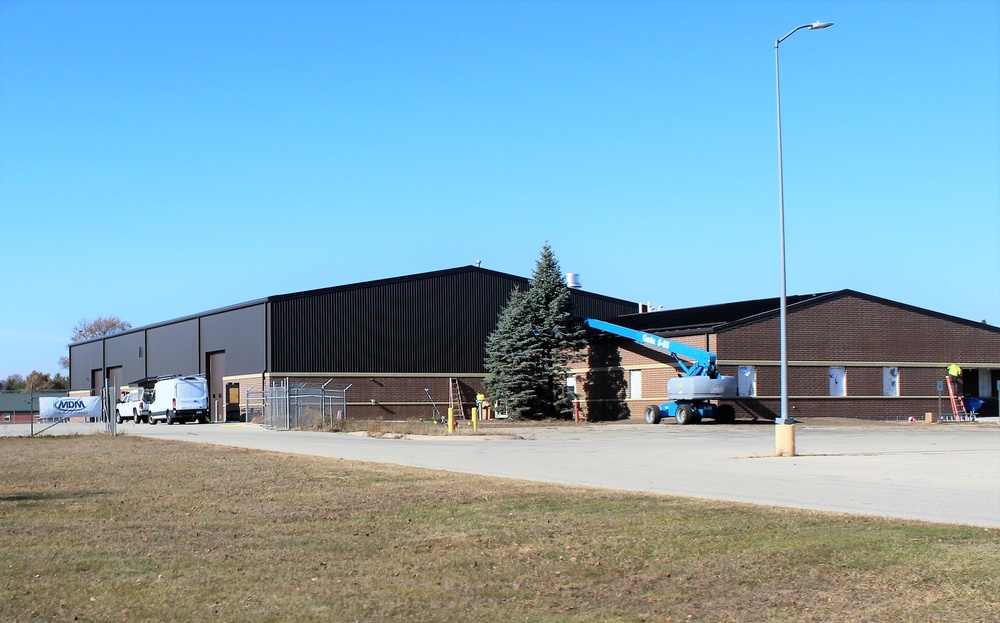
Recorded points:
(475,420)
(451,420)
(784,440)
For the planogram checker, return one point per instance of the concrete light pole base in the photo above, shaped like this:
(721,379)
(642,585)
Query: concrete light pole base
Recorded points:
(784,440)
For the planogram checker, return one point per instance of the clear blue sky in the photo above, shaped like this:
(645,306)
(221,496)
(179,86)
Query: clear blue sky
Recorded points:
(158,159)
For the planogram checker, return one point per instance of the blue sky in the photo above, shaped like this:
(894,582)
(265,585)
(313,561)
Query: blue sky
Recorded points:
(159,159)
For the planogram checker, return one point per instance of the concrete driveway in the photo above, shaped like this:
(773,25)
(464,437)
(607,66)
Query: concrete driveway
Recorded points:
(936,473)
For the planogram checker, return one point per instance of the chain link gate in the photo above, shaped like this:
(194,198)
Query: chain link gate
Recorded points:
(304,407)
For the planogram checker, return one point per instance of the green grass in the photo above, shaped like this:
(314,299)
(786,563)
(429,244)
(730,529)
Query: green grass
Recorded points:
(98,528)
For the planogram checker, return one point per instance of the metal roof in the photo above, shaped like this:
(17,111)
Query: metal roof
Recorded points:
(716,318)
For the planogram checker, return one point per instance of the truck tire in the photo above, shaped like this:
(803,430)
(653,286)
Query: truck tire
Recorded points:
(135,416)
(684,414)
(725,414)
(653,414)
(170,417)
(152,422)
(118,418)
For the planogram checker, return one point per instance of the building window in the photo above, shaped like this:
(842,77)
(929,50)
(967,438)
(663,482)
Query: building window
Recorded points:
(890,381)
(746,380)
(838,381)
(635,384)
(6,417)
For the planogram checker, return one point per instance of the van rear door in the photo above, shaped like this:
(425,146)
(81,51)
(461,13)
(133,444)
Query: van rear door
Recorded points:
(191,394)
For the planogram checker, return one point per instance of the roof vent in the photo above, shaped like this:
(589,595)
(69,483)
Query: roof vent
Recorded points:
(573,281)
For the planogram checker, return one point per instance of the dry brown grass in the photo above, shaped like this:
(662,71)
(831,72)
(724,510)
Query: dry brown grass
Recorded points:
(130,529)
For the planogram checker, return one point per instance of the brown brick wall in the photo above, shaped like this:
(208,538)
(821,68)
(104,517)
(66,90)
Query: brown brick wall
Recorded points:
(857,329)
(863,336)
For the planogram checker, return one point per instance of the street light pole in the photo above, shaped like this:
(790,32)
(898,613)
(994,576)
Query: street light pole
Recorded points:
(782,445)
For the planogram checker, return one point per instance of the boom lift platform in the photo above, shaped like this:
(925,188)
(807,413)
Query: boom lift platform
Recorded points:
(690,395)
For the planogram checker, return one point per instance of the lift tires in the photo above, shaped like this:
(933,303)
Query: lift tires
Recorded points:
(685,414)
(653,414)
(725,414)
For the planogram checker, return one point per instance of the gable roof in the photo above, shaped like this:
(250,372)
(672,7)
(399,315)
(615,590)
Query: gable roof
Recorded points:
(437,274)
(362,285)
(718,318)
(707,318)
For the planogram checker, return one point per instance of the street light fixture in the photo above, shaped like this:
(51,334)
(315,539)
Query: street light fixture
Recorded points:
(784,416)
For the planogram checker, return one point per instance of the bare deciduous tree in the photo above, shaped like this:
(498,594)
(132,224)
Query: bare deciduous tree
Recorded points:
(98,327)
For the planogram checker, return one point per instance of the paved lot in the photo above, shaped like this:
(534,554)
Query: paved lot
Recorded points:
(942,473)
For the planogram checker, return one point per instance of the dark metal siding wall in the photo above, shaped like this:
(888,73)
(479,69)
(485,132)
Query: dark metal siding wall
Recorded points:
(240,333)
(83,359)
(436,323)
(173,349)
(129,352)
(431,324)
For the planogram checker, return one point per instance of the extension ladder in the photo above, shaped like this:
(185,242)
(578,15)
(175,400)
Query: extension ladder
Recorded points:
(958,412)
(455,399)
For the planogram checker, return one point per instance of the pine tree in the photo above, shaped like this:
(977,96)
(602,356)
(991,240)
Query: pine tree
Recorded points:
(527,356)
(559,333)
(510,360)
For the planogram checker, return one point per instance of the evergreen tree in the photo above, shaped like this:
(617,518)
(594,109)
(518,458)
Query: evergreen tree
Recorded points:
(527,356)
(558,333)
(510,359)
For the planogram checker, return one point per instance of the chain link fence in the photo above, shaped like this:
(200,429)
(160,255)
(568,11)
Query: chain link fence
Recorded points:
(281,407)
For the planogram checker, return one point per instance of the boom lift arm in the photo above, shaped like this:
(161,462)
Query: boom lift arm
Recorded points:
(693,361)
(691,394)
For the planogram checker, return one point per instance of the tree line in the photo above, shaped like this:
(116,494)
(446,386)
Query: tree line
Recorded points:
(34,382)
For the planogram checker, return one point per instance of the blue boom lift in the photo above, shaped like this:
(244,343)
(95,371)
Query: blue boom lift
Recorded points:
(690,395)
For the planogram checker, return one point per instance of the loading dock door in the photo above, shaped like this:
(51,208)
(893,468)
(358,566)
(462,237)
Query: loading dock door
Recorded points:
(216,371)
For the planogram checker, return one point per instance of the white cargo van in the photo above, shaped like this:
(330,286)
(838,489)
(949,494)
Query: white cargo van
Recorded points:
(179,399)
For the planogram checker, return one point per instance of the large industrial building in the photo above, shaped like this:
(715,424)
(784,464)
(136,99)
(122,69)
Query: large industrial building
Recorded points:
(388,340)
(406,345)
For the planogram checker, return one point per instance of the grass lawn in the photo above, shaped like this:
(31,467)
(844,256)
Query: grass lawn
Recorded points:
(99,528)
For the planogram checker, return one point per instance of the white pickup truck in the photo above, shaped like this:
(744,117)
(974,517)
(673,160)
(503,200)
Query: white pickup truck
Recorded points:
(134,406)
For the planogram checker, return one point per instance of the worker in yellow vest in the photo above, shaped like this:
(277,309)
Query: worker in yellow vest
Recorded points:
(955,372)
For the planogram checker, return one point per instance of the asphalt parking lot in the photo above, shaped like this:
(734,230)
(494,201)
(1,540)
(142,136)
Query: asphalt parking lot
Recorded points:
(946,473)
